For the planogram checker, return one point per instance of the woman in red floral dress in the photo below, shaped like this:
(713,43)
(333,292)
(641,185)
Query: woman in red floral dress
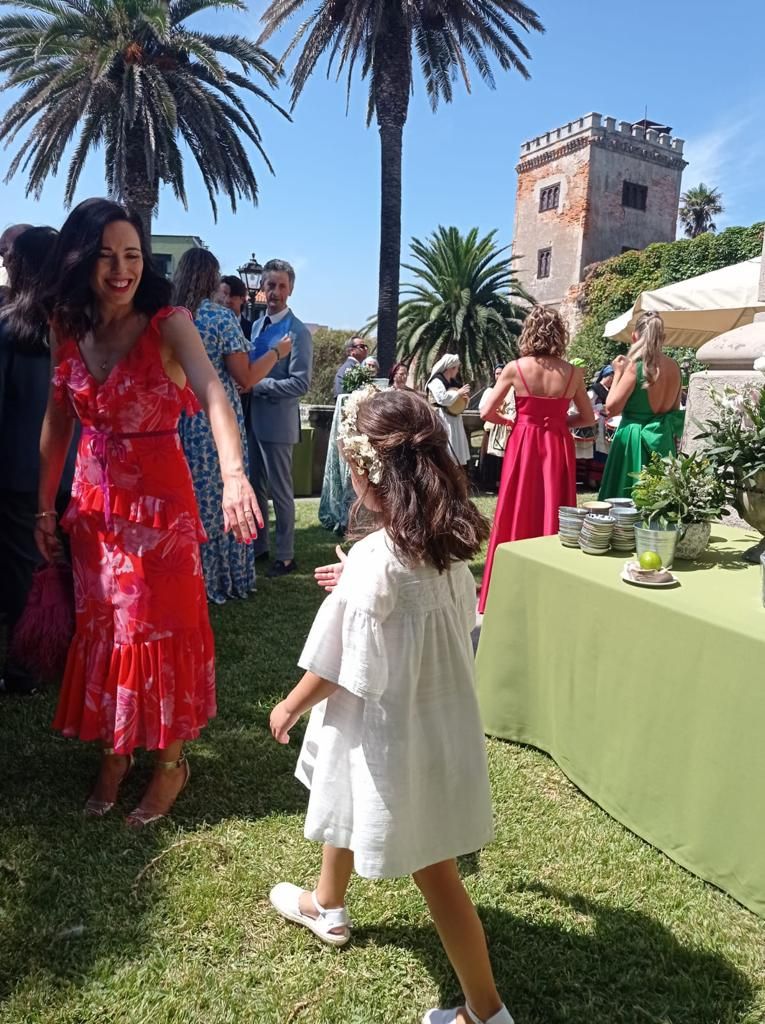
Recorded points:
(140,671)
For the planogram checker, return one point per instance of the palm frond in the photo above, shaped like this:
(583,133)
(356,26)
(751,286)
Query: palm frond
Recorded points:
(130,76)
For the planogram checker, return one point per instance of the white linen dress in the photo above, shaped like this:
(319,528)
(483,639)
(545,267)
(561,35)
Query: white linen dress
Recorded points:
(460,448)
(395,759)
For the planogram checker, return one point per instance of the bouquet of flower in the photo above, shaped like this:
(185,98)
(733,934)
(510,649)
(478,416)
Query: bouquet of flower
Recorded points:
(357,377)
(679,490)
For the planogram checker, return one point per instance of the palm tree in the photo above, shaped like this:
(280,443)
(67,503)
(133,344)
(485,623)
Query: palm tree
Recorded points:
(699,206)
(464,299)
(380,36)
(135,80)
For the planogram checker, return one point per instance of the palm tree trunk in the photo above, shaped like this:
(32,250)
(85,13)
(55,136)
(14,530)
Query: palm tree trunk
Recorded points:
(391,93)
(391,143)
(140,193)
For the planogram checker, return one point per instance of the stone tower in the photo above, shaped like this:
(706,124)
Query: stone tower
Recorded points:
(589,190)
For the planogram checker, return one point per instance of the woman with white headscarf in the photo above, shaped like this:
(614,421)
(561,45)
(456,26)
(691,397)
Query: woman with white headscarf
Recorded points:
(445,390)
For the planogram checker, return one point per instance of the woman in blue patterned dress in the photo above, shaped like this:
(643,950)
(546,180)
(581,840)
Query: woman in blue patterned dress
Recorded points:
(229,567)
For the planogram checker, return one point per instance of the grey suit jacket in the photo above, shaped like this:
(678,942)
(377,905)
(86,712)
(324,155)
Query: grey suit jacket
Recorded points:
(341,372)
(275,400)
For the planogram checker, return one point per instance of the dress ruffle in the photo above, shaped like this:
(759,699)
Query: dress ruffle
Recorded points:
(144,694)
(143,509)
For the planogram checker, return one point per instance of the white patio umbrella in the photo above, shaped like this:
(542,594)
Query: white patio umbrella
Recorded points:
(697,310)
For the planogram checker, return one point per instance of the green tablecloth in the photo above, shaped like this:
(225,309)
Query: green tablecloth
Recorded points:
(651,701)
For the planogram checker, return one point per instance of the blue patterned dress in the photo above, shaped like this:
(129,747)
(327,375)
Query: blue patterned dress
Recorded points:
(229,567)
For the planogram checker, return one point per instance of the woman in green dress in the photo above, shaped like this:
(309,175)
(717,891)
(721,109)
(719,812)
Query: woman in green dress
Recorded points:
(646,391)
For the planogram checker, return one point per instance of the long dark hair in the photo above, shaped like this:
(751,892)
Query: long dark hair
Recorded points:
(196,278)
(69,296)
(423,493)
(24,316)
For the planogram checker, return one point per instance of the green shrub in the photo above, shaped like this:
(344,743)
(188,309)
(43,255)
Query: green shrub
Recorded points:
(328,354)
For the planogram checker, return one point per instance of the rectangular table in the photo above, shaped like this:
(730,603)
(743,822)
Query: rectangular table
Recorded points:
(651,701)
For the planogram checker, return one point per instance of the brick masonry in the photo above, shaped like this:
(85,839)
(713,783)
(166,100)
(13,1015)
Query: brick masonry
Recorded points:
(590,159)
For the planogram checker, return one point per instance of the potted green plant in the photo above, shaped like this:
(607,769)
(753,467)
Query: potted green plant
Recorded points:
(680,495)
(735,436)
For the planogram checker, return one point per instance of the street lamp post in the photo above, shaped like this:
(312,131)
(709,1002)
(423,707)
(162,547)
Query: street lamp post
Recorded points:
(250,273)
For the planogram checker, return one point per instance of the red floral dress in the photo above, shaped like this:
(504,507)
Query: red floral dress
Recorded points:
(140,671)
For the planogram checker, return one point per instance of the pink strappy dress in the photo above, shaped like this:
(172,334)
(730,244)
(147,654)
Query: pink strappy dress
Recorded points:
(538,473)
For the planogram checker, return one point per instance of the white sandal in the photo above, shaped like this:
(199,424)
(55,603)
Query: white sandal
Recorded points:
(502,1016)
(285,898)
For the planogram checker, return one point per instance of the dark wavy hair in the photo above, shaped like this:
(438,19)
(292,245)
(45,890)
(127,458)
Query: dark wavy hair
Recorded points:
(69,297)
(423,493)
(24,315)
(235,285)
(196,278)
(394,370)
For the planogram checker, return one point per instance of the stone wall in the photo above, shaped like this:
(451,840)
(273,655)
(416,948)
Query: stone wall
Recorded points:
(610,225)
(561,229)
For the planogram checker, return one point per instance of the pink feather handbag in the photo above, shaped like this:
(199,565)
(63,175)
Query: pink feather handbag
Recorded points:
(44,632)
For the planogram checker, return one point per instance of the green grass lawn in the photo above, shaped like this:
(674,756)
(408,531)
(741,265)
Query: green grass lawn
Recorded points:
(587,924)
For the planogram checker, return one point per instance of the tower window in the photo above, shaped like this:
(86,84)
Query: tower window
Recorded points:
(544,262)
(634,196)
(549,198)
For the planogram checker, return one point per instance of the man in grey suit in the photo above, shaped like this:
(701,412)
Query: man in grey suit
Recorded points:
(274,421)
(355,350)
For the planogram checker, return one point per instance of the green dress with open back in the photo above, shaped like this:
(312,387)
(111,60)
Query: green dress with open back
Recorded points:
(640,433)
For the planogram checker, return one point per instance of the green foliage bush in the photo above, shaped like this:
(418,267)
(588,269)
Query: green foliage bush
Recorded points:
(328,354)
(611,287)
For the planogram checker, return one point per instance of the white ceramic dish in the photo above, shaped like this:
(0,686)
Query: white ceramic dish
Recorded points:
(638,582)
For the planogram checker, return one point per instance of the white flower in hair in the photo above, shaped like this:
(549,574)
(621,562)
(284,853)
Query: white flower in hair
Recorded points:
(357,447)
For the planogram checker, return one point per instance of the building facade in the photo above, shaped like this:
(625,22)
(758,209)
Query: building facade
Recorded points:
(591,189)
(166,250)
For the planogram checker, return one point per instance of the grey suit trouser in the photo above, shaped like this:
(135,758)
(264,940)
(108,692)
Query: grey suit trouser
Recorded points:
(271,470)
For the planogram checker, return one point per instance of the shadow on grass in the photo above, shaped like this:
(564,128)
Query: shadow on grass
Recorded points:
(626,969)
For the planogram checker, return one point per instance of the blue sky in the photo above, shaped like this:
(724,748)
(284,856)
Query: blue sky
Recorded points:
(696,66)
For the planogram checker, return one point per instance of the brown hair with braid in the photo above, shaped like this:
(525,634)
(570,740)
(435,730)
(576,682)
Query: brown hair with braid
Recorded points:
(544,334)
(422,494)
(196,278)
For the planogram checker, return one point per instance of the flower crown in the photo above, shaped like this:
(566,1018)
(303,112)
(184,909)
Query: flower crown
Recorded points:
(357,447)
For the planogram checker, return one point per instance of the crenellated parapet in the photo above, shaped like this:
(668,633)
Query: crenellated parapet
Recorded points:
(639,139)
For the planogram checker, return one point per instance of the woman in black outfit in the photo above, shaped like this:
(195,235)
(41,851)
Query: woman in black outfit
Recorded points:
(24,382)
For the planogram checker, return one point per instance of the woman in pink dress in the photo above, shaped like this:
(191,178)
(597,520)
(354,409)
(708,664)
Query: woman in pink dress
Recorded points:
(140,670)
(539,468)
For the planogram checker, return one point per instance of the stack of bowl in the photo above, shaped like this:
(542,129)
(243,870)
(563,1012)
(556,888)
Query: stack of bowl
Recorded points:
(595,538)
(570,521)
(626,519)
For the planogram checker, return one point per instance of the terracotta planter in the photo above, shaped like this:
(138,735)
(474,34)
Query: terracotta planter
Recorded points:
(692,540)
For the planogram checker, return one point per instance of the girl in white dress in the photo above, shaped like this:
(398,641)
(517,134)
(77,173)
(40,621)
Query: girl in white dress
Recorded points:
(394,754)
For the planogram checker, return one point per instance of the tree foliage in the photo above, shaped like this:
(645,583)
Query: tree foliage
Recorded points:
(698,206)
(611,287)
(328,354)
(383,38)
(131,77)
(463,298)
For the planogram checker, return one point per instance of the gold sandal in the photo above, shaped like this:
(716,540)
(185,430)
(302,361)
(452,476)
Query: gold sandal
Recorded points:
(139,818)
(98,808)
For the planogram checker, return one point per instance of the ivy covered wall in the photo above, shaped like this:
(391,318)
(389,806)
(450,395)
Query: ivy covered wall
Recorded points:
(611,287)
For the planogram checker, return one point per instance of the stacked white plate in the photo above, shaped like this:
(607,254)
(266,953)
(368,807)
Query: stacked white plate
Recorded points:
(570,521)
(595,538)
(627,518)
